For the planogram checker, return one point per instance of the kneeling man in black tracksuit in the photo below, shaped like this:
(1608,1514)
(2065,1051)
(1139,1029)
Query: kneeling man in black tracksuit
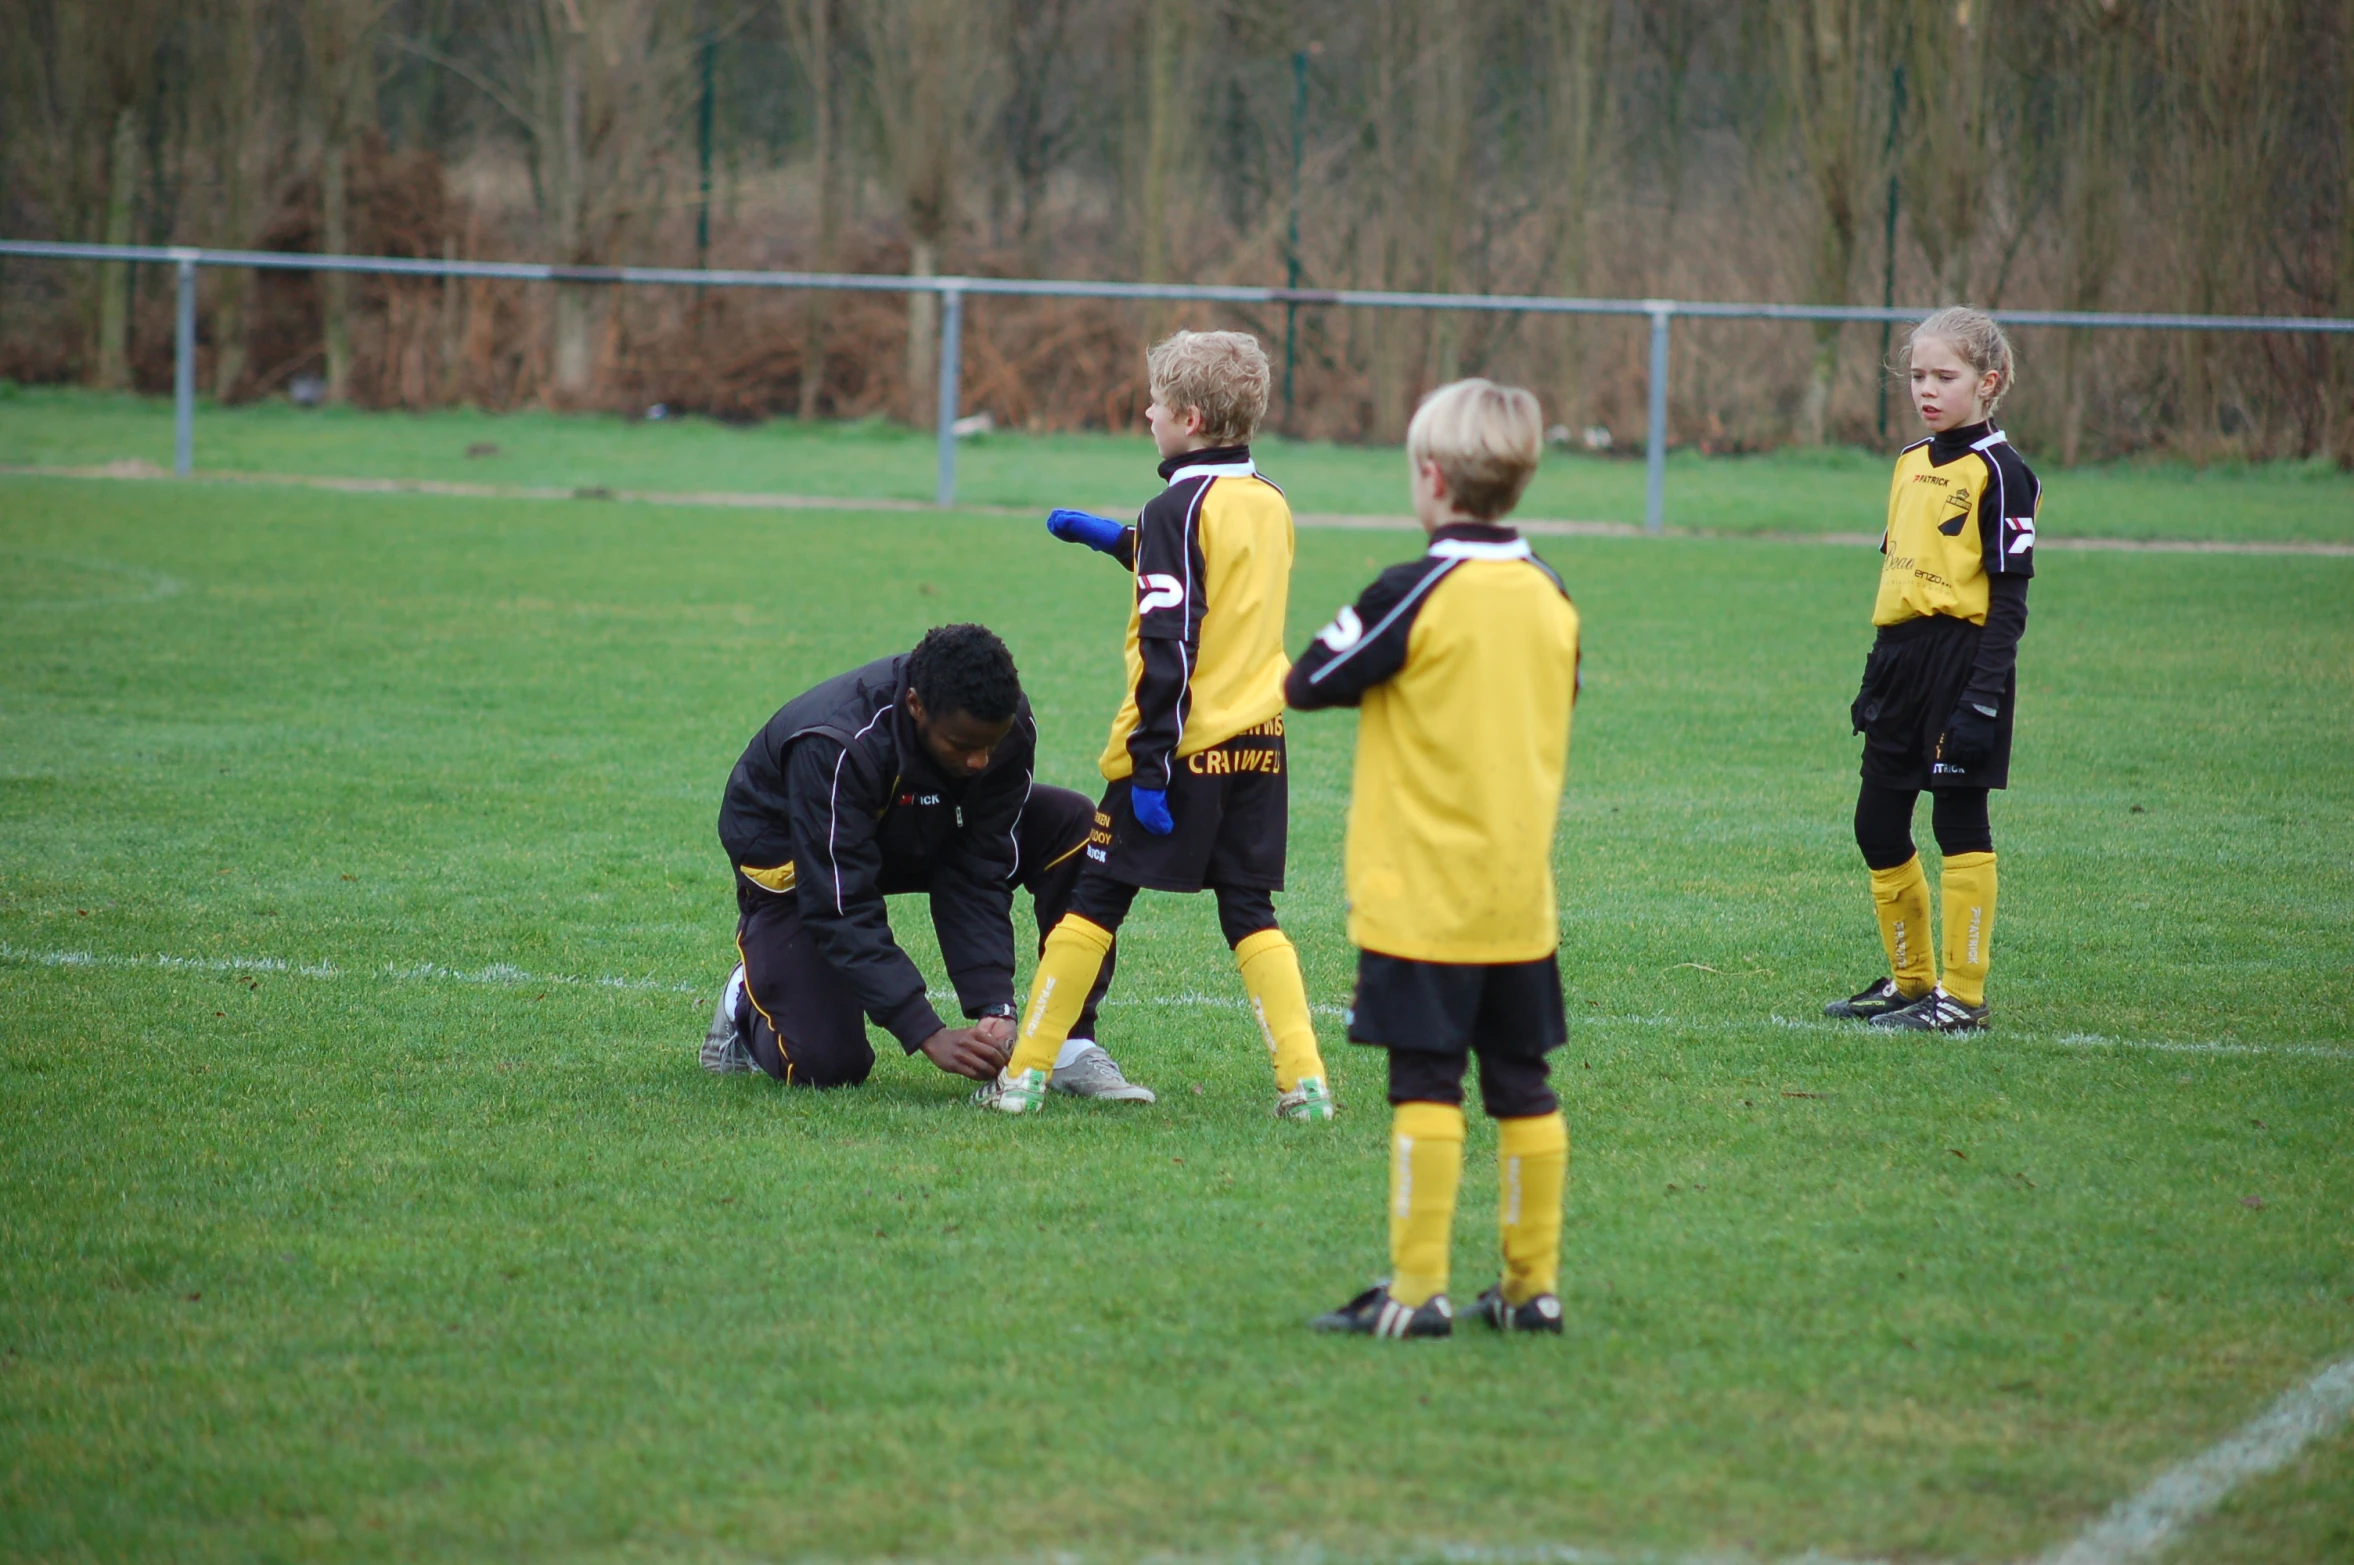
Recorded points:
(910,774)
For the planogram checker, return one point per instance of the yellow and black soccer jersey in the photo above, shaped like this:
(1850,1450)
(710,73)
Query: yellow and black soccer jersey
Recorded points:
(1465,665)
(1212,557)
(1961,509)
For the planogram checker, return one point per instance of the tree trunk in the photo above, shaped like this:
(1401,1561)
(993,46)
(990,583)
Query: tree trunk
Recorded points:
(1167,128)
(572,359)
(114,277)
(1443,73)
(923,330)
(1392,141)
(817,44)
(2338,426)
(1834,78)
(335,287)
(1579,36)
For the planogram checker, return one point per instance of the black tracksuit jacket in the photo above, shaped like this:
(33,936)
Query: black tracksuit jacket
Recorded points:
(839,785)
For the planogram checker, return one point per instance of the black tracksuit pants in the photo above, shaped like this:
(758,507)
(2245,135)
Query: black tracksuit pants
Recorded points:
(804,1025)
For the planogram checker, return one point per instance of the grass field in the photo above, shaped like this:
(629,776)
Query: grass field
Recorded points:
(1802,492)
(360,1196)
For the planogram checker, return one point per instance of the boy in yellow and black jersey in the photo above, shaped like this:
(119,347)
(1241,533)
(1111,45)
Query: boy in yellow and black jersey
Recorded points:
(1198,791)
(1940,687)
(1464,666)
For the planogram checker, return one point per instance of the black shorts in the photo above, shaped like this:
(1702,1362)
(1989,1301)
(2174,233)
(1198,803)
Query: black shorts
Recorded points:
(1507,1008)
(1232,807)
(1913,681)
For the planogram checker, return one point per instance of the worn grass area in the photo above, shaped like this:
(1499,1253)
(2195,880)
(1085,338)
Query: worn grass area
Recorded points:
(347,1211)
(1786,492)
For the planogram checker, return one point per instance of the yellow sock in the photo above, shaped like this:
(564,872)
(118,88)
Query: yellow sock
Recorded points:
(1058,991)
(1271,975)
(1968,885)
(1532,1164)
(1426,1164)
(1901,897)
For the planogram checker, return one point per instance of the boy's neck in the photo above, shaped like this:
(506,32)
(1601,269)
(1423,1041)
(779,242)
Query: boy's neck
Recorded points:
(1180,458)
(1449,516)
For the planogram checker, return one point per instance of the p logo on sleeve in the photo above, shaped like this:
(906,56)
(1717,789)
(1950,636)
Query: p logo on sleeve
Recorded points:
(2019,535)
(1158,591)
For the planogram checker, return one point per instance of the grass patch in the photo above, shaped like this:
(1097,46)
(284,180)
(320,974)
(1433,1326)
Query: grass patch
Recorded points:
(429,1240)
(1794,491)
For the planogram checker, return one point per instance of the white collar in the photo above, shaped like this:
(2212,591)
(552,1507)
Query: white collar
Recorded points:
(1245,468)
(1994,437)
(1469,549)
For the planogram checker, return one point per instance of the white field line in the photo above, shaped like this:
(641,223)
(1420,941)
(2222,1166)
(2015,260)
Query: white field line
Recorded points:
(140,471)
(504,975)
(2142,1527)
(498,974)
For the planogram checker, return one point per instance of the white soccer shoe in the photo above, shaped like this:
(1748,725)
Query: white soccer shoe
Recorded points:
(1012,1094)
(1311,1099)
(724,1050)
(1095,1074)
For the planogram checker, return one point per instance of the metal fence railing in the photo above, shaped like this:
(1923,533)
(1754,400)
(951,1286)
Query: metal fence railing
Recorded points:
(953,291)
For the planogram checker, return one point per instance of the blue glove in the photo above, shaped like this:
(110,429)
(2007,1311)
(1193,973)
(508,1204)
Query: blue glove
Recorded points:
(1151,806)
(1100,533)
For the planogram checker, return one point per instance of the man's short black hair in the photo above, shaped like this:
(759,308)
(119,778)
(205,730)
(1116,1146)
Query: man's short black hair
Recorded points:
(965,668)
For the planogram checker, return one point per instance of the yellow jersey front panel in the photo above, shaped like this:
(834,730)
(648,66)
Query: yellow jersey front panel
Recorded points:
(1961,507)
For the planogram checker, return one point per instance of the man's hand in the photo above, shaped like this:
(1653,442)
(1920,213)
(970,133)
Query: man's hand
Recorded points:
(1099,533)
(996,1031)
(1152,810)
(1969,737)
(962,1051)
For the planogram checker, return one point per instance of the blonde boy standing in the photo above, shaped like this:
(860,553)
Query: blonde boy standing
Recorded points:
(1196,766)
(1464,665)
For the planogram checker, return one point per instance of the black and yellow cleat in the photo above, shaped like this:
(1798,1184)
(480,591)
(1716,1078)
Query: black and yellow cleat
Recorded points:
(1542,1313)
(1875,999)
(1374,1313)
(1935,1011)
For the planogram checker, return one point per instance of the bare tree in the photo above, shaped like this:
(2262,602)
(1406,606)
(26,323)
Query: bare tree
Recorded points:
(2095,117)
(810,25)
(2222,66)
(2338,430)
(598,89)
(937,76)
(1949,161)
(238,128)
(339,44)
(1578,60)
(1835,80)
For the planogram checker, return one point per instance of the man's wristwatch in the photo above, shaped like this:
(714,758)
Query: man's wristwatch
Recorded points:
(1003,1008)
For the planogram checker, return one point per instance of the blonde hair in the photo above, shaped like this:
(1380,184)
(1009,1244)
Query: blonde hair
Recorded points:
(1978,340)
(1486,440)
(1221,374)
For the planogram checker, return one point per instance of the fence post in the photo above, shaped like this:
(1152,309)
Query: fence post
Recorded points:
(184,368)
(1655,441)
(951,351)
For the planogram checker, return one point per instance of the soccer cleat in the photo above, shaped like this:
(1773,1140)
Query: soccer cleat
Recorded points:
(1311,1099)
(1095,1074)
(1935,1011)
(724,1050)
(1876,999)
(1012,1094)
(1374,1313)
(1542,1313)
